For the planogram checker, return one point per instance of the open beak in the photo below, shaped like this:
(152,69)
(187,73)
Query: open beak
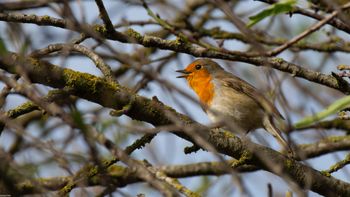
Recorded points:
(184,72)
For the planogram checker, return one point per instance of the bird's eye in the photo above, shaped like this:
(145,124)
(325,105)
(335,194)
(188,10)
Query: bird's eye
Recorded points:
(198,66)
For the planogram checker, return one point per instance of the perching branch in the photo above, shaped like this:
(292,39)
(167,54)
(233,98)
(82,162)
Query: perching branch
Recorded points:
(115,96)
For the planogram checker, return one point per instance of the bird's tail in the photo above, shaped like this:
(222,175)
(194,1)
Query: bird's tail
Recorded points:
(272,129)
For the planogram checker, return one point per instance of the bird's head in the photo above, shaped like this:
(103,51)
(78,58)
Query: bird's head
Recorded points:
(199,69)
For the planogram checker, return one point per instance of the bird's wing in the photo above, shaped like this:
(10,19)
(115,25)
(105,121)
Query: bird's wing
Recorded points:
(244,87)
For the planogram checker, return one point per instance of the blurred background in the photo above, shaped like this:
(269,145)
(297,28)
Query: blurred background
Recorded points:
(63,150)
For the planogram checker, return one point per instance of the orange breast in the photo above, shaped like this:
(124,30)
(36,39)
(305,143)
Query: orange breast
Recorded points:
(201,83)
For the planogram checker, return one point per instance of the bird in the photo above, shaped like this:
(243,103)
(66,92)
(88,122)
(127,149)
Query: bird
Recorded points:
(224,95)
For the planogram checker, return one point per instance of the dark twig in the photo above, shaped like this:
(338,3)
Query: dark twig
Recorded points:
(108,23)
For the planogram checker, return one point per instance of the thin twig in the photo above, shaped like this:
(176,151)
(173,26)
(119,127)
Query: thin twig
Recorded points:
(99,62)
(307,32)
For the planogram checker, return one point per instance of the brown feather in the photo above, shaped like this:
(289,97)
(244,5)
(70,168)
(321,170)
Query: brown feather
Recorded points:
(244,87)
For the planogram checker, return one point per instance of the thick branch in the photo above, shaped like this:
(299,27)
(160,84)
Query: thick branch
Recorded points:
(122,176)
(115,96)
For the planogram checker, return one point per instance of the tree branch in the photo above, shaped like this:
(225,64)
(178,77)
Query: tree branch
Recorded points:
(115,96)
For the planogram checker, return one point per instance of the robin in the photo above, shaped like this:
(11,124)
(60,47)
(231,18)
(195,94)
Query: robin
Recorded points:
(225,96)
